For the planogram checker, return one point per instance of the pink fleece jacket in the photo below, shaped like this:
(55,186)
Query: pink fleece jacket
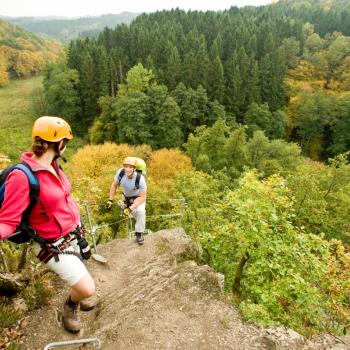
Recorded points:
(54,214)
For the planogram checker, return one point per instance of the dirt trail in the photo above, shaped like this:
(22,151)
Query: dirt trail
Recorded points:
(156,297)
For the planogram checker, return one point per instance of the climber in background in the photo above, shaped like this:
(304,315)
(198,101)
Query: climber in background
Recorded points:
(132,180)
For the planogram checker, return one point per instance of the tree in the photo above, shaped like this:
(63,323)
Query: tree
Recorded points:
(4,77)
(129,113)
(202,65)
(235,151)
(138,79)
(104,127)
(252,83)
(61,96)
(272,70)
(88,93)
(273,124)
(195,108)
(232,84)
(216,84)
(102,70)
(312,118)
(142,113)
(291,49)
(314,43)
(338,50)
(205,146)
(340,126)
(258,117)
(269,157)
(164,119)
(173,75)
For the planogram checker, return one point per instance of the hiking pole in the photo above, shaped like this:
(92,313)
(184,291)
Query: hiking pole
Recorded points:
(92,230)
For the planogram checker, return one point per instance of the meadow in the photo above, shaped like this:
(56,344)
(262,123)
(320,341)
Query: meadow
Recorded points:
(17,114)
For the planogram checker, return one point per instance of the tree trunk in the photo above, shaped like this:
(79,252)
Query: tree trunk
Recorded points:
(236,287)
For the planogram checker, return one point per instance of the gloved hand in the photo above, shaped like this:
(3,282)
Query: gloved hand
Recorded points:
(109,204)
(126,213)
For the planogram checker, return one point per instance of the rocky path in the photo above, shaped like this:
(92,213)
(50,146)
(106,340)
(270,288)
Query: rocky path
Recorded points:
(156,297)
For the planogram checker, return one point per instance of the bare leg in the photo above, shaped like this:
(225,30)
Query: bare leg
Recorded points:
(83,289)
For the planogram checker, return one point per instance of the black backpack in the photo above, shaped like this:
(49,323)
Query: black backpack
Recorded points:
(23,233)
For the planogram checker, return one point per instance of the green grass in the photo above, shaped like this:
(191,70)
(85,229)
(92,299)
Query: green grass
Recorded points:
(17,116)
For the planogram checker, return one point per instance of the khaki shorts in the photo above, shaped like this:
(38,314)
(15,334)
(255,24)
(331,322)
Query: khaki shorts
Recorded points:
(69,267)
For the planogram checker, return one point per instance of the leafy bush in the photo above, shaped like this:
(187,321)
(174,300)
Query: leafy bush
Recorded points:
(279,273)
(225,149)
(322,197)
(92,170)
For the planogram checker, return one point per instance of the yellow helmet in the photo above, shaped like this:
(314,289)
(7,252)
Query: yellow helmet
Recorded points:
(52,129)
(130,161)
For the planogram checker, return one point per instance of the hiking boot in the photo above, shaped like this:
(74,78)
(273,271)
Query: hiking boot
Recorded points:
(139,238)
(88,303)
(70,316)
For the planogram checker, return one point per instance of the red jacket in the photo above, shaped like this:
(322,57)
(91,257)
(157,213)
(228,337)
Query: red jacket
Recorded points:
(54,214)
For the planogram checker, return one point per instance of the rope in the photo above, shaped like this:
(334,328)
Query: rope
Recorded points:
(149,217)
(94,202)
(87,203)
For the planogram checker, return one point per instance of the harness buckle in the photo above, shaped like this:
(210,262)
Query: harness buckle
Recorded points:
(58,242)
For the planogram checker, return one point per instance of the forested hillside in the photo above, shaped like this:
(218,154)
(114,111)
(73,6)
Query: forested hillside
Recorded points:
(243,119)
(269,68)
(22,54)
(66,29)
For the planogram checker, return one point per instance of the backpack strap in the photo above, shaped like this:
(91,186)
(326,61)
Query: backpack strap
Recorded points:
(34,189)
(121,174)
(33,181)
(137,181)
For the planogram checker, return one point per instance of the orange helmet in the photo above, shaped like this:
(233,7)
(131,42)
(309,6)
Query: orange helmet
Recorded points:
(52,129)
(130,161)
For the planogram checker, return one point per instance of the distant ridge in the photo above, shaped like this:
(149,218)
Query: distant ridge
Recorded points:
(68,28)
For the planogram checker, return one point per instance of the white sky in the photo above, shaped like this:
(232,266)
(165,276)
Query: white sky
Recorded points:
(80,8)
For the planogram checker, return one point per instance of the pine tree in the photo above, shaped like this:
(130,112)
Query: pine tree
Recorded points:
(252,83)
(87,90)
(216,80)
(232,85)
(102,69)
(173,75)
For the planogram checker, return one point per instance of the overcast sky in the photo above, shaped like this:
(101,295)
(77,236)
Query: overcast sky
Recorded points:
(80,8)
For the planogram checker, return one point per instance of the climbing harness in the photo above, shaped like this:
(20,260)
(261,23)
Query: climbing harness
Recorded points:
(53,248)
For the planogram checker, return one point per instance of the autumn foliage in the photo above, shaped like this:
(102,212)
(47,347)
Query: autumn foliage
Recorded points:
(22,54)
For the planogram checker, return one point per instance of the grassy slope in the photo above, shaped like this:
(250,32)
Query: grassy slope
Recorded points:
(17,116)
